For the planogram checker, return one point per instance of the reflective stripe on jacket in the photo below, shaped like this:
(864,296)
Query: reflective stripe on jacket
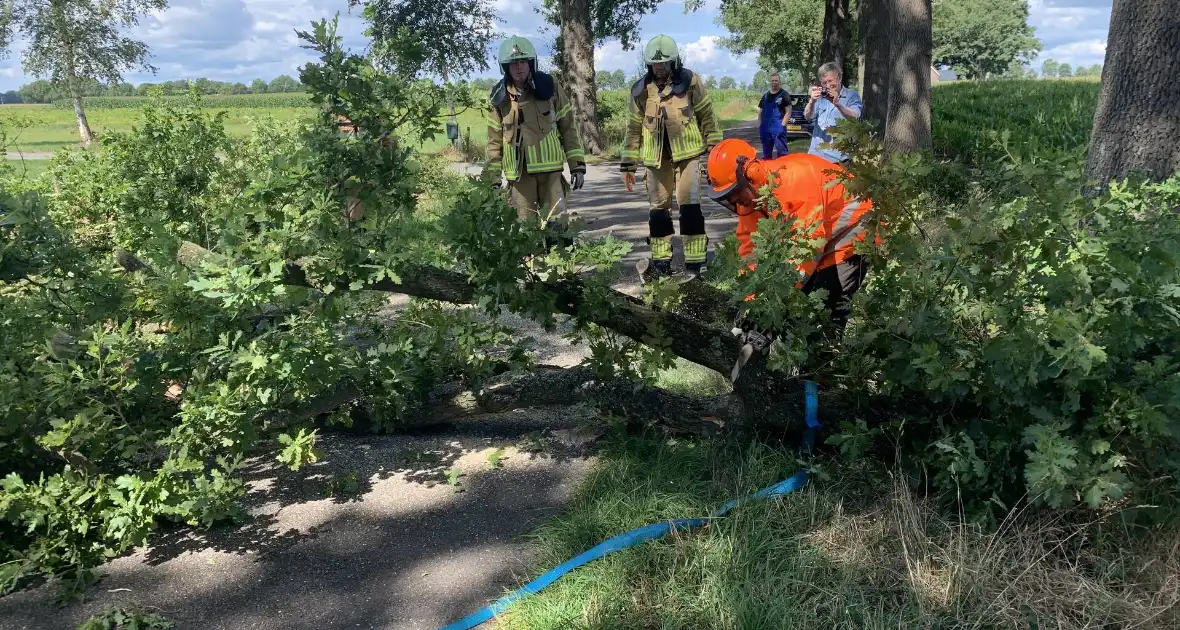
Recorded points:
(808,194)
(681,112)
(535,124)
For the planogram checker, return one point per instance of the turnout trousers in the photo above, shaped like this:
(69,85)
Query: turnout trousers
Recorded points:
(538,196)
(682,181)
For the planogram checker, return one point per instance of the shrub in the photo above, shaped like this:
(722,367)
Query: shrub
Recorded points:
(1028,343)
(132,393)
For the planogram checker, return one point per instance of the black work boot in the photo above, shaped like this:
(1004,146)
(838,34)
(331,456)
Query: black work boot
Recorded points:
(694,269)
(649,269)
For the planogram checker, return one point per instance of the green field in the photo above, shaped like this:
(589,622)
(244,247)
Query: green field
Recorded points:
(1040,115)
(46,128)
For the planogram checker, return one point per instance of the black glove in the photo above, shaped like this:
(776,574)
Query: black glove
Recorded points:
(579,178)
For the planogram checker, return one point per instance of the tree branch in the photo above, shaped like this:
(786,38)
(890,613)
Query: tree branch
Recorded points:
(705,345)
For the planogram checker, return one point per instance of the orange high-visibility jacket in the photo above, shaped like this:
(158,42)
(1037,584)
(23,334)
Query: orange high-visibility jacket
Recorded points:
(805,192)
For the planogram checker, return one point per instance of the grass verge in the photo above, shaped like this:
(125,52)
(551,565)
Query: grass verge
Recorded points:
(854,549)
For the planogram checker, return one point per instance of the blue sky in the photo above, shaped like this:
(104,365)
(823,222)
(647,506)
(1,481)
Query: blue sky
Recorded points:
(239,40)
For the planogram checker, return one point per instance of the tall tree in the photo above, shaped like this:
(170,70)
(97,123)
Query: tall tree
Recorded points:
(1065,71)
(837,34)
(1049,68)
(1137,122)
(618,79)
(982,38)
(73,41)
(283,84)
(874,38)
(442,37)
(584,24)
(784,33)
(761,80)
(727,83)
(907,127)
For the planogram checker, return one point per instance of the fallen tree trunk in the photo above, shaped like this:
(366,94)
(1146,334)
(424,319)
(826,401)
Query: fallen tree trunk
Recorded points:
(760,397)
(687,337)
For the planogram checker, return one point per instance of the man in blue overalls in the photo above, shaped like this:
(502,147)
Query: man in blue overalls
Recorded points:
(773,108)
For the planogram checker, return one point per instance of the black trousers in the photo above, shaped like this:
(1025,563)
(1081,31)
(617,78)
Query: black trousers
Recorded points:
(842,281)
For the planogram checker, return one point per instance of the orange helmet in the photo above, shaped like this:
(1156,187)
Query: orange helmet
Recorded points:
(724,165)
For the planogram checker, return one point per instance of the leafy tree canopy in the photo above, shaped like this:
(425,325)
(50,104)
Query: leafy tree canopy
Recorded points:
(978,38)
(784,33)
(448,37)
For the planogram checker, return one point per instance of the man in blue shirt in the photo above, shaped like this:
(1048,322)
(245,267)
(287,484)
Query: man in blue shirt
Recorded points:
(830,101)
(773,107)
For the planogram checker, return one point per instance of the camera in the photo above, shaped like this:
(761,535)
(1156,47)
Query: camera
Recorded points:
(823,92)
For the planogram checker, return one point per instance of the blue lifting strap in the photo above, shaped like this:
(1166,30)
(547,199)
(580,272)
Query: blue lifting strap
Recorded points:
(656,530)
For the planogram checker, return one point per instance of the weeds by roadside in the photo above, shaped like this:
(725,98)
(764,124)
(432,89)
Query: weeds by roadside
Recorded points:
(855,549)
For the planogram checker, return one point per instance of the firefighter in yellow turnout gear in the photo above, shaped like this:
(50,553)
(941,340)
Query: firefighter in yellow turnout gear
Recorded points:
(671,130)
(531,135)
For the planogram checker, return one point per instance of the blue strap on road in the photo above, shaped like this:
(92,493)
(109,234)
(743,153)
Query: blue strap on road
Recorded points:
(655,530)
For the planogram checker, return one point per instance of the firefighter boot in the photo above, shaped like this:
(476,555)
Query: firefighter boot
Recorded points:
(660,263)
(695,249)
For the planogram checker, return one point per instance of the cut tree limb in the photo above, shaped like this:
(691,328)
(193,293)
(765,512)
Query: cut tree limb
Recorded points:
(687,337)
(760,397)
(551,386)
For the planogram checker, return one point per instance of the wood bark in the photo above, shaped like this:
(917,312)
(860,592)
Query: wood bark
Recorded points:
(1137,122)
(688,337)
(578,54)
(874,60)
(72,81)
(760,398)
(835,42)
(907,127)
(80,115)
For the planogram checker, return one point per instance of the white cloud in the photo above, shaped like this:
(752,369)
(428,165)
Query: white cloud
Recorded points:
(702,52)
(1073,31)
(238,40)
(513,6)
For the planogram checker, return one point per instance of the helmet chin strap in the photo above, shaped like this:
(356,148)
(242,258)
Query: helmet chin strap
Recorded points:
(743,183)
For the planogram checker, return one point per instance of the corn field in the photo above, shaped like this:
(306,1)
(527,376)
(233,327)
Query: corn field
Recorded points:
(1040,116)
(210,101)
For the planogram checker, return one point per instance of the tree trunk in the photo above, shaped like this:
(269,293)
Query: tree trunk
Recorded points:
(874,56)
(578,44)
(834,45)
(1137,123)
(911,47)
(760,397)
(80,114)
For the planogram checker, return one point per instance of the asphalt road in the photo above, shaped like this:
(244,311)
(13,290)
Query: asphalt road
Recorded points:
(405,550)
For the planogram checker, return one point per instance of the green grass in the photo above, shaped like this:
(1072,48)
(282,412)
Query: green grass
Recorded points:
(691,379)
(25,171)
(854,549)
(46,129)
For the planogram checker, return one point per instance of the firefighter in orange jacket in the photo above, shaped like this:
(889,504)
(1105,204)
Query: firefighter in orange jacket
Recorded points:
(808,191)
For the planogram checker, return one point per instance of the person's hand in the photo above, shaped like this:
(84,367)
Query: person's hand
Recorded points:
(833,95)
(816,92)
(579,178)
(629,180)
